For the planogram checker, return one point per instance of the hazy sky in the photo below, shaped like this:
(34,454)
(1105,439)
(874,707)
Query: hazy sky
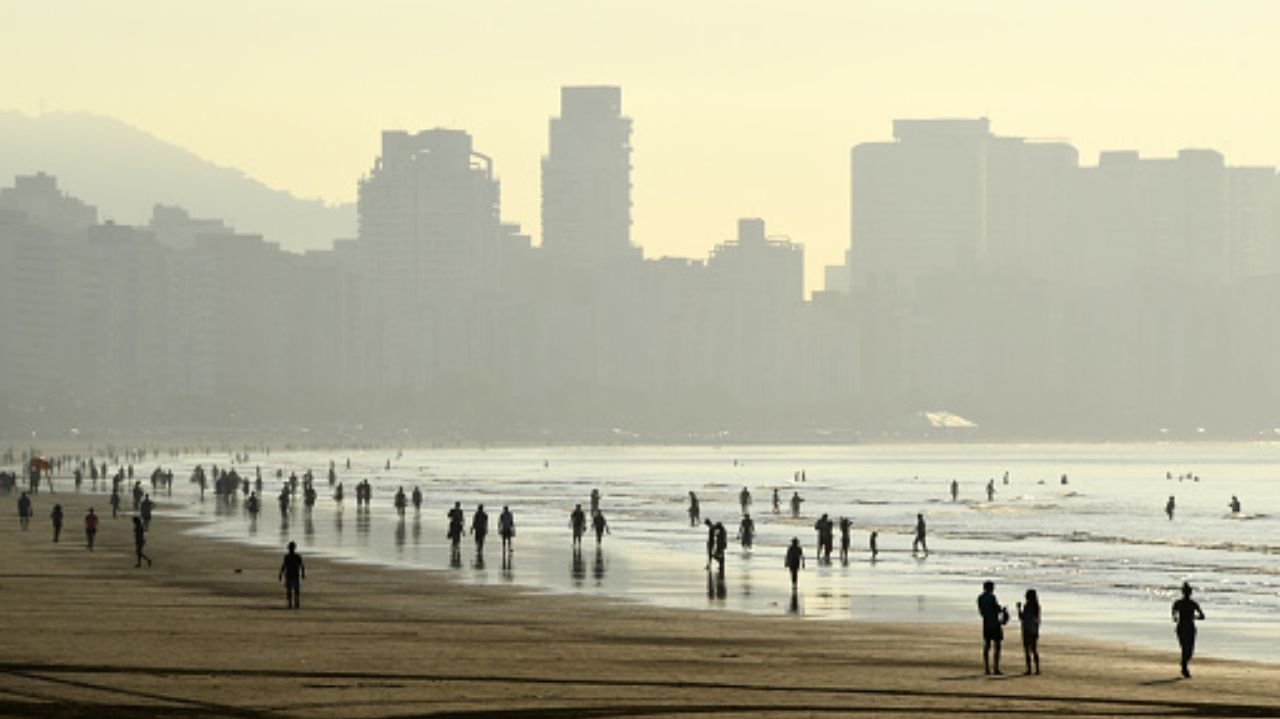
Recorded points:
(741,108)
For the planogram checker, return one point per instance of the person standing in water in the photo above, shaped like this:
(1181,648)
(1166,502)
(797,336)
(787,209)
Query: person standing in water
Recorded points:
(695,513)
(796,501)
(1169,507)
(746,531)
(777,502)
(845,525)
(874,550)
(506,528)
(600,526)
(744,500)
(955,490)
(720,543)
(994,618)
(1234,504)
(139,541)
(578,523)
(1185,613)
(919,542)
(1029,619)
(292,572)
(794,561)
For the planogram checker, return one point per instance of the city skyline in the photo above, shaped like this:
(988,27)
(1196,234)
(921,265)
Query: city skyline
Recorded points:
(704,83)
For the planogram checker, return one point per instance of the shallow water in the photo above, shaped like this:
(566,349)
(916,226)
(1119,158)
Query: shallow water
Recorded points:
(1100,550)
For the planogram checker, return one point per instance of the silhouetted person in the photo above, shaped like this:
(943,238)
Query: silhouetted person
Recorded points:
(794,561)
(920,541)
(955,490)
(115,503)
(480,526)
(595,501)
(1234,504)
(796,501)
(56,516)
(777,501)
(600,526)
(1185,613)
(90,528)
(456,522)
(845,526)
(506,528)
(24,511)
(146,506)
(711,540)
(994,617)
(746,531)
(139,541)
(577,523)
(719,542)
(744,500)
(874,549)
(400,501)
(991,490)
(292,572)
(417,499)
(1169,507)
(253,505)
(695,513)
(1029,619)
(825,538)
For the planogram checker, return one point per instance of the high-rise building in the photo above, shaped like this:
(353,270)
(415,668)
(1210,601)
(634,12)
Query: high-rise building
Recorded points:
(586,180)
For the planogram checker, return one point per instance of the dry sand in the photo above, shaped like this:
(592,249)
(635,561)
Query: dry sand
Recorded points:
(205,633)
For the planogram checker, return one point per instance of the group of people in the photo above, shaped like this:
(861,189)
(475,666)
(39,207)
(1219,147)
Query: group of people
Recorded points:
(141,523)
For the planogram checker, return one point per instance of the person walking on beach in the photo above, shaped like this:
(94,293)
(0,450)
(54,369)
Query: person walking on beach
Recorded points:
(777,501)
(400,501)
(56,516)
(794,561)
(578,524)
(506,528)
(456,522)
(292,572)
(90,528)
(115,503)
(796,501)
(919,542)
(695,513)
(24,511)
(874,550)
(146,506)
(480,526)
(994,618)
(955,490)
(1185,613)
(139,540)
(825,539)
(744,500)
(595,500)
(417,500)
(1169,507)
(746,531)
(600,526)
(991,490)
(1029,619)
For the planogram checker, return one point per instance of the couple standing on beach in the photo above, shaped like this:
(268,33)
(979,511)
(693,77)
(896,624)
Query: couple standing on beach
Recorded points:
(994,617)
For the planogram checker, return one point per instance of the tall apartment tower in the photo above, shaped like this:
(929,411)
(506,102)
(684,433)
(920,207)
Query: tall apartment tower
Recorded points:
(586,180)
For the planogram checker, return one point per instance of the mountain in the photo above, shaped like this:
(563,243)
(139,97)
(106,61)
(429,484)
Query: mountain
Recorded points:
(125,171)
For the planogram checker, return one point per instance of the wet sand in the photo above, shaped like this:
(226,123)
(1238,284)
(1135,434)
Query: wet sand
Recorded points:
(205,633)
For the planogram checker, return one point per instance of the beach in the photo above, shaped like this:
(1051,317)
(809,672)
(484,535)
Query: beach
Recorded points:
(205,633)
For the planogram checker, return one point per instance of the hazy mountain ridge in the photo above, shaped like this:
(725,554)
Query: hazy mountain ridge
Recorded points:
(124,171)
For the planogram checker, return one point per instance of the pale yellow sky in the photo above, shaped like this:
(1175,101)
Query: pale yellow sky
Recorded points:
(741,107)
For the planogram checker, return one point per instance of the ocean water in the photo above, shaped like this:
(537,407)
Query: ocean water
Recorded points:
(1106,560)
